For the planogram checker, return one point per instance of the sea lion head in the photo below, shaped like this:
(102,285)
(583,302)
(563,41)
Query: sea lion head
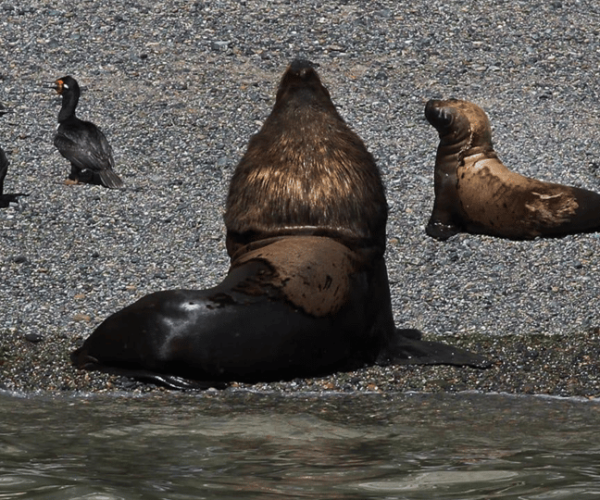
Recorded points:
(460,121)
(301,85)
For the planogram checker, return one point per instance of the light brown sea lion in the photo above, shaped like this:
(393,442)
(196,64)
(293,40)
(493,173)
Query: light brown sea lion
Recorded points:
(476,193)
(307,292)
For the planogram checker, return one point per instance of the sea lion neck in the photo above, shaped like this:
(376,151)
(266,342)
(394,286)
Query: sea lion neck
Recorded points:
(306,168)
(462,126)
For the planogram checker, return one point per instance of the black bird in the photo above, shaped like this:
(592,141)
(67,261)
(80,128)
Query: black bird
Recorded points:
(81,142)
(5,199)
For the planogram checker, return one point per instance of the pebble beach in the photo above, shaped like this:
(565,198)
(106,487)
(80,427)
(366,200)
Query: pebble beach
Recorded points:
(178,89)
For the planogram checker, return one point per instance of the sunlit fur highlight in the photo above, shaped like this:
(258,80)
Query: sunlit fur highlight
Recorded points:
(305,167)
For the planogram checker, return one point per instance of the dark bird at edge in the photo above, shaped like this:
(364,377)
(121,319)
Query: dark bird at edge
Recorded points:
(5,199)
(81,142)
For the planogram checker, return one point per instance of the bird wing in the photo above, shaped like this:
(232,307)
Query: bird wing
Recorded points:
(85,147)
(3,169)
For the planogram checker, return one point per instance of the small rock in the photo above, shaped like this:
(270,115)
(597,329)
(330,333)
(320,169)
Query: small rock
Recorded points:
(81,317)
(219,46)
(34,338)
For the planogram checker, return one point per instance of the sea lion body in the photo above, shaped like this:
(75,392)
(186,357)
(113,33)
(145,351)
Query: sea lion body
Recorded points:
(289,307)
(476,193)
(269,319)
(307,292)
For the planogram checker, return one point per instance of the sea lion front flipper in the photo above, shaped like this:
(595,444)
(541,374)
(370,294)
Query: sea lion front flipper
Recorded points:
(165,380)
(181,383)
(441,231)
(406,349)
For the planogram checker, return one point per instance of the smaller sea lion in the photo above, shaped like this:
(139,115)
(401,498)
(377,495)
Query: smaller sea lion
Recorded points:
(81,142)
(476,193)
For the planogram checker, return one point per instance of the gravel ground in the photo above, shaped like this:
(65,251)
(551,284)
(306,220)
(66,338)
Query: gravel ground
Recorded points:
(179,87)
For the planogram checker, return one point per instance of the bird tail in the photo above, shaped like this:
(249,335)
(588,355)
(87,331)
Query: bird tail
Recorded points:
(110,179)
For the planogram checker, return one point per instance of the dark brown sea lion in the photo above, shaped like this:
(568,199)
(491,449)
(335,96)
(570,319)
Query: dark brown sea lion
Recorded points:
(307,292)
(476,193)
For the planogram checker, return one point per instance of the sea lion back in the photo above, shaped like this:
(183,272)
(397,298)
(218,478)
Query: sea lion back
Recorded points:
(306,169)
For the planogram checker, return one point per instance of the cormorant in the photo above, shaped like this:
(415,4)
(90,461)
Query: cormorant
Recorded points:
(81,142)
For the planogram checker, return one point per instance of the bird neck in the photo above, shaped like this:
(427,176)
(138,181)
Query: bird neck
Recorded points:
(69,103)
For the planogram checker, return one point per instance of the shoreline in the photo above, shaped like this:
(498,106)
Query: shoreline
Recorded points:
(521,365)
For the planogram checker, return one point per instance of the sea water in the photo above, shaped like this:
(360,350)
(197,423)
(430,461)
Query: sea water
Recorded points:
(239,444)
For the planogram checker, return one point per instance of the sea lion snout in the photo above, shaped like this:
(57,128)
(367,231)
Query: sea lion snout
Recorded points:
(301,67)
(457,120)
(302,76)
(438,115)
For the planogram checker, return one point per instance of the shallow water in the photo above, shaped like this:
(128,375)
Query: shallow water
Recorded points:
(242,445)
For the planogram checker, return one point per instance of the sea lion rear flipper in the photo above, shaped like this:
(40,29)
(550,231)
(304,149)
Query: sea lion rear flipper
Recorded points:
(407,349)
(441,231)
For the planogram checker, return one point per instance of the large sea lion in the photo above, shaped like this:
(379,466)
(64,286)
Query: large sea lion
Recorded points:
(476,193)
(307,292)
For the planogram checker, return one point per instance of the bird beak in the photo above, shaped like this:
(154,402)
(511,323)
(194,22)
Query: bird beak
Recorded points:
(57,85)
